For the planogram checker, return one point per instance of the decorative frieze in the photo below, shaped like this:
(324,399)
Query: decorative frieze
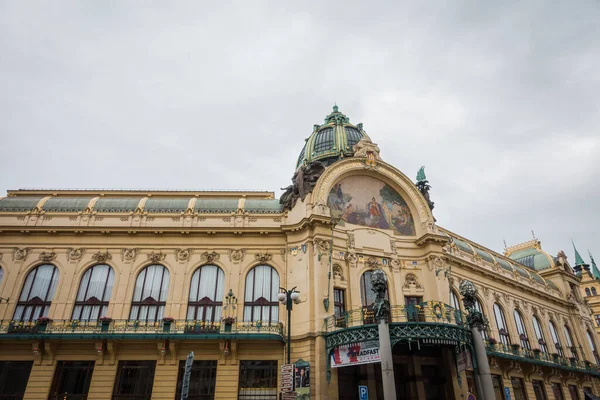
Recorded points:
(47,257)
(237,255)
(129,254)
(263,257)
(102,257)
(156,257)
(75,254)
(21,254)
(183,254)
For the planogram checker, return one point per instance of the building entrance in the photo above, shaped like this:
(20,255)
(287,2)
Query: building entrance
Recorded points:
(420,374)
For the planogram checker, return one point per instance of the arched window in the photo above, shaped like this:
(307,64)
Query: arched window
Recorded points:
(593,346)
(479,308)
(206,294)
(1,275)
(501,324)
(150,294)
(521,330)
(587,291)
(260,300)
(539,334)
(367,295)
(594,291)
(455,300)
(37,293)
(94,293)
(556,339)
(570,342)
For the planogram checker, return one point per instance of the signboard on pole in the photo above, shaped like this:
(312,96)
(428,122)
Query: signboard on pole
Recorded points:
(355,354)
(287,378)
(363,392)
(302,380)
(185,387)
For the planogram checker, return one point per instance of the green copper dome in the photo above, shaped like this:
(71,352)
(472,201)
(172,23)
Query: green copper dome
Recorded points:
(332,140)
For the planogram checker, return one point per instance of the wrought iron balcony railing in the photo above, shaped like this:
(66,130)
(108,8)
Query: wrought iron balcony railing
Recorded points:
(431,312)
(536,356)
(176,327)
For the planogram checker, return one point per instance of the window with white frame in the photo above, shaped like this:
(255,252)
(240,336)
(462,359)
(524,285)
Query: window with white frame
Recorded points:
(521,330)
(556,339)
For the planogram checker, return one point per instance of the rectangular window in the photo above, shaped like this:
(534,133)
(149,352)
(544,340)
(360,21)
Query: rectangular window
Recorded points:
(573,392)
(258,380)
(13,379)
(71,380)
(339,302)
(538,389)
(134,380)
(202,380)
(557,390)
(413,313)
(518,388)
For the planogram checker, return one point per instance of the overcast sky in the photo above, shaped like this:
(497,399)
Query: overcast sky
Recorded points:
(499,100)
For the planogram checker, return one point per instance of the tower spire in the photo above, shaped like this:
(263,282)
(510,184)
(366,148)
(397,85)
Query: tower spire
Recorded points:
(579,263)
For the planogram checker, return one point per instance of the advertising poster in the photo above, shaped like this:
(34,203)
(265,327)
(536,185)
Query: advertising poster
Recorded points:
(355,354)
(303,382)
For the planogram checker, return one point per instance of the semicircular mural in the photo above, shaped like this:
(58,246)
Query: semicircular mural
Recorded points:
(362,200)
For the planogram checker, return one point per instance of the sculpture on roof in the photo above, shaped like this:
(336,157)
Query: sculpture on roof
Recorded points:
(303,182)
(424,187)
(368,150)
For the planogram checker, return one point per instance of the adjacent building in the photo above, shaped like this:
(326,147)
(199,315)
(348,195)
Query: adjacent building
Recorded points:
(104,293)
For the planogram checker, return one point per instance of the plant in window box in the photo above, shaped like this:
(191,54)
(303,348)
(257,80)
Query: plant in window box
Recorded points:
(42,323)
(536,353)
(167,321)
(573,361)
(104,323)
(228,322)
(555,357)
(492,342)
(515,347)
(258,324)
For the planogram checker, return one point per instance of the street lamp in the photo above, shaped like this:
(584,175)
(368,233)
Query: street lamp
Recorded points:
(288,297)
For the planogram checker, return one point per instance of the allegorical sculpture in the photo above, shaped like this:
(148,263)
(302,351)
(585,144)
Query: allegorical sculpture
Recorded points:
(424,187)
(303,182)
(475,318)
(381,306)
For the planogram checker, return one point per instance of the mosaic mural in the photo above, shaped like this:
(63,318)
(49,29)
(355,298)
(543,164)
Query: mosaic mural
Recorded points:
(366,201)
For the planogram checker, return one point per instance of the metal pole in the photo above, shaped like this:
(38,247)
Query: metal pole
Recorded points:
(289,324)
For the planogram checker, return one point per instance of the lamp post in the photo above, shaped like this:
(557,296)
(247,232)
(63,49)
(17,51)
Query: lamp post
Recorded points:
(288,297)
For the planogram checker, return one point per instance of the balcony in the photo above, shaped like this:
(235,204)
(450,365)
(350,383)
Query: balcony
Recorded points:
(133,329)
(432,322)
(515,352)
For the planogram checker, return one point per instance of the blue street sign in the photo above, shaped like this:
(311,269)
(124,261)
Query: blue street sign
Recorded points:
(507,393)
(363,392)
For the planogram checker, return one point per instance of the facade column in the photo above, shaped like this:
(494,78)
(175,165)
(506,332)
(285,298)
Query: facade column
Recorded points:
(382,313)
(477,323)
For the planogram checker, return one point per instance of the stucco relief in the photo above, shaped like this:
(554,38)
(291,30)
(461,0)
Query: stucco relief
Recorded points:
(183,254)
(47,256)
(207,257)
(21,254)
(156,257)
(366,201)
(237,255)
(129,254)
(75,254)
(102,257)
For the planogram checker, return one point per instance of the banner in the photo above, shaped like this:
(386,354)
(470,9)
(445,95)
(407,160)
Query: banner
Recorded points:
(355,354)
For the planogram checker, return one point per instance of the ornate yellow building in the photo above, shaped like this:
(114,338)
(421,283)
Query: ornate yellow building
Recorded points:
(104,293)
